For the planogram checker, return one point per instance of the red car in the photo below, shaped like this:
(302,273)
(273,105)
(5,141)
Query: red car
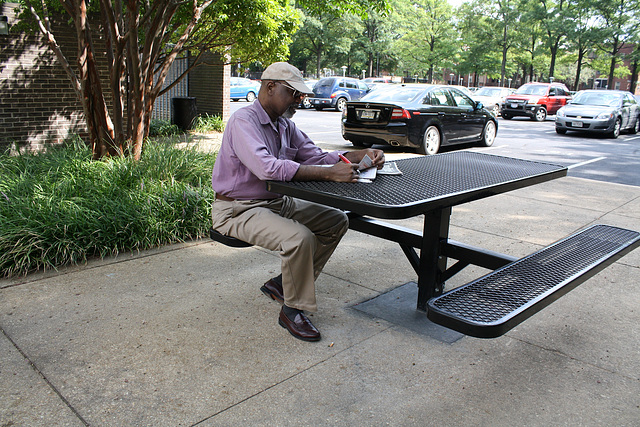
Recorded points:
(535,100)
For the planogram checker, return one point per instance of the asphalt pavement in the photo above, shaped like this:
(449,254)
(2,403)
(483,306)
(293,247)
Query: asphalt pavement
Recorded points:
(181,335)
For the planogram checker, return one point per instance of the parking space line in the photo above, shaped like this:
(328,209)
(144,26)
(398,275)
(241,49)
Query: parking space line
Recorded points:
(585,162)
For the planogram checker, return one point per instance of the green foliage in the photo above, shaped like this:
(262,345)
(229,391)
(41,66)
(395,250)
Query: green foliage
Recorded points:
(60,207)
(427,34)
(163,128)
(205,123)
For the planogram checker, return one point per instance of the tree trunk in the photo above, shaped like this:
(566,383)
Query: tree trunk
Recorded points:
(612,67)
(554,53)
(503,68)
(634,76)
(578,68)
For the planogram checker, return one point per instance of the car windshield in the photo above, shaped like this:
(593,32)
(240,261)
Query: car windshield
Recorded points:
(597,98)
(532,90)
(488,91)
(394,94)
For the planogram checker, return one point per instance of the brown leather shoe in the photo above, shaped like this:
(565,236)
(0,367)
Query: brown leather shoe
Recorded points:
(273,290)
(300,327)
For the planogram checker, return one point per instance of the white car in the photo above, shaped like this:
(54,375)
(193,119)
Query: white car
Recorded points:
(492,97)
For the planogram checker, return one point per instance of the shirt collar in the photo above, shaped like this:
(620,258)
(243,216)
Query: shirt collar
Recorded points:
(265,120)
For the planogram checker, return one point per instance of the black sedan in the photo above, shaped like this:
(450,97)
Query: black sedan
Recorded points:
(600,111)
(421,116)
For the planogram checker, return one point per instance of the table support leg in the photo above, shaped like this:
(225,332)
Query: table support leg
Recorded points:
(432,262)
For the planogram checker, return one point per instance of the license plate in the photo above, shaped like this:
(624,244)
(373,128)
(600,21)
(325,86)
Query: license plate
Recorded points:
(577,124)
(514,105)
(368,114)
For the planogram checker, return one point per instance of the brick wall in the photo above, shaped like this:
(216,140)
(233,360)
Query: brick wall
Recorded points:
(209,84)
(37,102)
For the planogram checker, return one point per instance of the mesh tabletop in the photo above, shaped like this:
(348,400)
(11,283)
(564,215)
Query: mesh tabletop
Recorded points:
(426,183)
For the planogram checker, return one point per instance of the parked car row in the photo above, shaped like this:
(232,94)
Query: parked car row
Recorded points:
(427,117)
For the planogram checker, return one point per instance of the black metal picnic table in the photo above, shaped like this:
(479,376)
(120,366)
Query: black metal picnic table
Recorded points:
(429,186)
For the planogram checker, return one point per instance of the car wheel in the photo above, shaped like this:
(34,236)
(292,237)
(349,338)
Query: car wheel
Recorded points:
(507,116)
(341,104)
(251,97)
(636,127)
(306,103)
(495,110)
(431,141)
(561,131)
(541,115)
(488,134)
(318,108)
(616,129)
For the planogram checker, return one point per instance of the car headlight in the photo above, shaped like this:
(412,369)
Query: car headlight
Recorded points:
(605,116)
(560,113)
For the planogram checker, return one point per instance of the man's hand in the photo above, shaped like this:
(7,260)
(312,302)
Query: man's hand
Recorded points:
(345,172)
(340,172)
(377,156)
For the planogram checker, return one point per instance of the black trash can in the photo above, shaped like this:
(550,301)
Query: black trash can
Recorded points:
(184,111)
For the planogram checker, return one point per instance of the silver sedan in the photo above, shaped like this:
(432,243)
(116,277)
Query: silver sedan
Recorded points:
(606,112)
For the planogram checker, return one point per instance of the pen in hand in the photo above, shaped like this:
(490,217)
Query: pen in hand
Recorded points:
(344,159)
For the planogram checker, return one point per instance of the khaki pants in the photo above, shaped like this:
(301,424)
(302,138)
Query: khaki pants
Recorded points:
(304,233)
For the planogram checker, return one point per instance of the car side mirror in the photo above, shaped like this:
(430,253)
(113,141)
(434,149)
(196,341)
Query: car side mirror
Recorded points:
(479,105)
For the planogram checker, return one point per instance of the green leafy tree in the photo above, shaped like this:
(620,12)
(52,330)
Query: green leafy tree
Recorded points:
(582,35)
(478,55)
(502,17)
(142,39)
(554,19)
(619,20)
(324,36)
(427,36)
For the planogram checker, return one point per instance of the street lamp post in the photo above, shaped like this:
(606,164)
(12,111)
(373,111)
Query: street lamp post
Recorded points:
(344,69)
(451,78)
(363,74)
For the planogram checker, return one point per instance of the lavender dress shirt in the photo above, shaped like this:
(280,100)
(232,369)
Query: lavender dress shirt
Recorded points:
(255,150)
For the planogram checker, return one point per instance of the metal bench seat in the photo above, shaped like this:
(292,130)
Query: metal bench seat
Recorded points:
(228,240)
(493,304)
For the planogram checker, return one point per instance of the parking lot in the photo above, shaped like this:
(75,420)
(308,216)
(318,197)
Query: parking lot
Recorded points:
(592,157)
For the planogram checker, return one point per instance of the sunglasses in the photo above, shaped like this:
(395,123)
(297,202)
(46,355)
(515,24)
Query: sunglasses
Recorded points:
(296,93)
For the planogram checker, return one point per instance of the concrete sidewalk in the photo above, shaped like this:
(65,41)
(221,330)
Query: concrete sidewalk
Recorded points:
(182,335)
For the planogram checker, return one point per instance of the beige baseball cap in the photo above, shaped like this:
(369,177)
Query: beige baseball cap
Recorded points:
(288,73)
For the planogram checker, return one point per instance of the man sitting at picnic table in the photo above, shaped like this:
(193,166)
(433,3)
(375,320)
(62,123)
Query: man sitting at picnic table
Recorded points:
(261,143)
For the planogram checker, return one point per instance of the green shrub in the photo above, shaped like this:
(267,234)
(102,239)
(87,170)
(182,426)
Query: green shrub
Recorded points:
(60,207)
(163,128)
(206,123)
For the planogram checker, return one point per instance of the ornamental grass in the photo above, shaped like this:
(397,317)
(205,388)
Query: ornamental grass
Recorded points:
(60,207)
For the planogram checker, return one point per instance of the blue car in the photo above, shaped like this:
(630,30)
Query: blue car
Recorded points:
(242,88)
(334,92)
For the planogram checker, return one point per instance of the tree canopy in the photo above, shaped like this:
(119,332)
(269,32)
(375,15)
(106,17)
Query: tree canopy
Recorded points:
(142,39)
